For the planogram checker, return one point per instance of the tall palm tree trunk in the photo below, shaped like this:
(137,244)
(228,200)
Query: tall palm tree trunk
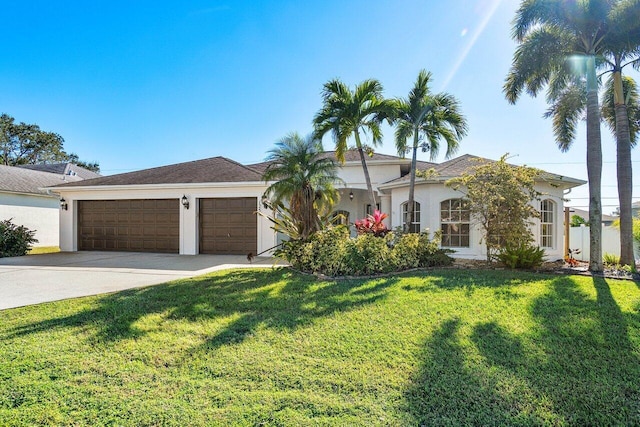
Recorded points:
(594,168)
(365,169)
(412,183)
(624,171)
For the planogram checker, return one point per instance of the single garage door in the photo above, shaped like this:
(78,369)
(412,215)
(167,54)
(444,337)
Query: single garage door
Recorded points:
(129,225)
(228,226)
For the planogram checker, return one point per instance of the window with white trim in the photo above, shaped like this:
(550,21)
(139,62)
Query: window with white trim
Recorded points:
(369,211)
(547,211)
(415,220)
(341,217)
(455,223)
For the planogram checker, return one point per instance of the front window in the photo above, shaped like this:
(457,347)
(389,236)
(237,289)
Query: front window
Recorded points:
(546,223)
(340,217)
(369,211)
(454,223)
(415,221)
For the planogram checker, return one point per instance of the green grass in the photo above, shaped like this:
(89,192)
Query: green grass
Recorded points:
(269,347)
(43,250)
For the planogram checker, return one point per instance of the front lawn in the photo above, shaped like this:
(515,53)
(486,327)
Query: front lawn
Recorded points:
(269,347)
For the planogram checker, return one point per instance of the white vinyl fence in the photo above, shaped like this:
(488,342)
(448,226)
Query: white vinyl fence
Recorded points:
(579,239)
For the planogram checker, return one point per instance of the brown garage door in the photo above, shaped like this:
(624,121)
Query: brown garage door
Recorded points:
(129,225)
(228,226)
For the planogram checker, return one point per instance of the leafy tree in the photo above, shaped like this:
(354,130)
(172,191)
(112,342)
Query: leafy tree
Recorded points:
(92,166)
(27,144)
(305,181)
(499,197)
(349,113)
(426,119)
(577,221)
(556,36)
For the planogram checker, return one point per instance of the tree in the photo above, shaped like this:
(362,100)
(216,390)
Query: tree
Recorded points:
(499,197)
(567,108)
(427,119)
(554,35)
(304,180)
(27,144)
(577,221)
(92,166)
(21,143)
(346,113)
(622,113)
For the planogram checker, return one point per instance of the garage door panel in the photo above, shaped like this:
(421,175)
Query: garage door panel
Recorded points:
(228,225)
(129,225)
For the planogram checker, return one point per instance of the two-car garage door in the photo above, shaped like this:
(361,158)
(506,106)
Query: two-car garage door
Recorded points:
(226,225)
(151,225)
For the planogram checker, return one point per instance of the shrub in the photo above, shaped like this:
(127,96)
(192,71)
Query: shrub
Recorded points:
(333,253)
(15,240)
(521,256)
(611,260)
(372,224)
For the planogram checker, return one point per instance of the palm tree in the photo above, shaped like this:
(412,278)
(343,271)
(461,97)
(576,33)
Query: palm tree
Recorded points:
(567,93)
(623,48)
(621,111)
(427,119)
(304,180)
(551,35)
(345,113)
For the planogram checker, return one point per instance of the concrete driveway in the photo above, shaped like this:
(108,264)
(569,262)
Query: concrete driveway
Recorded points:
(34,279)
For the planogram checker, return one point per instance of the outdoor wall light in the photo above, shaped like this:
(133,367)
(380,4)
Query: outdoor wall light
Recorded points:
(185,202)
(63,204)
(351,195)
(265,201)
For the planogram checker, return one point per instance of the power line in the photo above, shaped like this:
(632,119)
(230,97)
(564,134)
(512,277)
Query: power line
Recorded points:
(587,198)
(575,163)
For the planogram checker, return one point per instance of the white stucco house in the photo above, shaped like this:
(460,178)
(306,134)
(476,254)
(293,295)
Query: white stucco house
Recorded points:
(25,201)
(209,205)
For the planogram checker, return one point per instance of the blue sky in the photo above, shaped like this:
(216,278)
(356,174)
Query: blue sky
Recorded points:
(140,84)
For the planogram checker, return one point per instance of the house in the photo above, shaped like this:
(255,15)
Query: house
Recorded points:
(25,201)
(208,206)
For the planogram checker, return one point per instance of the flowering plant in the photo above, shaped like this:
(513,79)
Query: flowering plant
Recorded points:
(373,224)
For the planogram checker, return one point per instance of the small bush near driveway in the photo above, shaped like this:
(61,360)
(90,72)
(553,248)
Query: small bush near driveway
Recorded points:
(15,240)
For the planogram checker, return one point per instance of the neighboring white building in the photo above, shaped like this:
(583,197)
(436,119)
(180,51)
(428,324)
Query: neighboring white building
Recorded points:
(144,210)
(25,201)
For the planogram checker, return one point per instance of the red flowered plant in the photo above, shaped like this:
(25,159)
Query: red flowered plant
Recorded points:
(373,224)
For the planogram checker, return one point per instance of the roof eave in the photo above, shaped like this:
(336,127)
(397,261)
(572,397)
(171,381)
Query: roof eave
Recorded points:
(59,189)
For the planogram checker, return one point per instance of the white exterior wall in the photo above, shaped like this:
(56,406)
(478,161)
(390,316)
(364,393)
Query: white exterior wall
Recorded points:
(188,217)
(39,213)
(431,195)
(352,174)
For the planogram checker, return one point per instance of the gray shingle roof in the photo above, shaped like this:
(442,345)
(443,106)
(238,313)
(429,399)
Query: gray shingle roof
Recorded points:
(349,156)
(63,169)
(27,181)
(459,165)
(214,169)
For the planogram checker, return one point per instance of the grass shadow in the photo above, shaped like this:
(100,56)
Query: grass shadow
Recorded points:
(274,298)
(574,365)
(446,392)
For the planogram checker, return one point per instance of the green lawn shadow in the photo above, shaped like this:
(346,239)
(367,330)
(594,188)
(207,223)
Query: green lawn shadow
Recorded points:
(576,366)
(247,295)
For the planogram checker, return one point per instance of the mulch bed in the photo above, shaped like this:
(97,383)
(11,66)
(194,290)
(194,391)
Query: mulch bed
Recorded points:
(557,267)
